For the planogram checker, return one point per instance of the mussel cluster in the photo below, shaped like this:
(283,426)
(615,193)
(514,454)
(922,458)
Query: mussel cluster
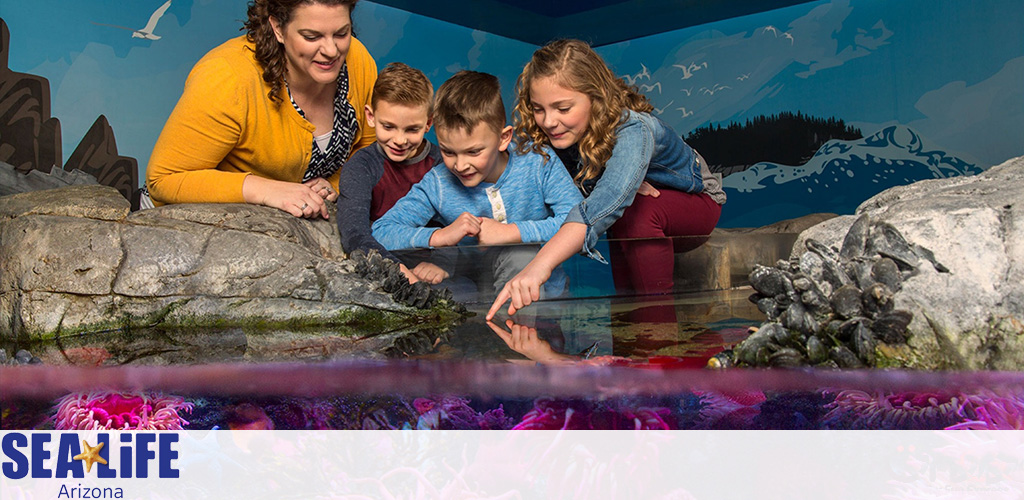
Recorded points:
(829,307)
(374,267)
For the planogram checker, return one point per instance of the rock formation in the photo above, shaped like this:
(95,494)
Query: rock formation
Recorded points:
(75,259)
(971,317)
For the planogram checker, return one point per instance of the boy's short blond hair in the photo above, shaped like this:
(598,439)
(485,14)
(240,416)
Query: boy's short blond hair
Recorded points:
(469,98)
(398,83)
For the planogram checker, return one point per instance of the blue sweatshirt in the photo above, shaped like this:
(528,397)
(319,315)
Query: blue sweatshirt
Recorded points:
(534,194)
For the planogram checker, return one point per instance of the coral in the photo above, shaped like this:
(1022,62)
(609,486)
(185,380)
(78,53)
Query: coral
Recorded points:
(120,411)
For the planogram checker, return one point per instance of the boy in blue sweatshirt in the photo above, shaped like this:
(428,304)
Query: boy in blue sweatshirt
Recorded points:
(485,192)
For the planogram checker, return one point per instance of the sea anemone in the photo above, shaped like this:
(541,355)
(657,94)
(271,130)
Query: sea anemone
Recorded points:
(982,409)
(248,417)
(453,412)
(120,411)
(729,409)
(855,409)
(990,411)
(551,414)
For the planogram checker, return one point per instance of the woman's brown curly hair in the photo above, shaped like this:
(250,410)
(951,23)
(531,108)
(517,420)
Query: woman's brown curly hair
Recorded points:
(576,66)
(270,52)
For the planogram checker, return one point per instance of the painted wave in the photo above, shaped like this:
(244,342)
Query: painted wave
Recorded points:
(840,176)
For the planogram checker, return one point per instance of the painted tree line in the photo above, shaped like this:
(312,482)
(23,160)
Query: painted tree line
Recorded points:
(785,138)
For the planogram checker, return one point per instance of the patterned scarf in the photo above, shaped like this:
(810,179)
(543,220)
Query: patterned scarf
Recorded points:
(325,163)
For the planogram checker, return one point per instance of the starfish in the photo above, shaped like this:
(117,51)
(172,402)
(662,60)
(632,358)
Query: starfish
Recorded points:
(90,455)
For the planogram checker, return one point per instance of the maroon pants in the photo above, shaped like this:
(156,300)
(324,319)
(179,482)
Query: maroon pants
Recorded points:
(654,230)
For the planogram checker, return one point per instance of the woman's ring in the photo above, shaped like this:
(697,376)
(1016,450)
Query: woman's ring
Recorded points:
(304,206)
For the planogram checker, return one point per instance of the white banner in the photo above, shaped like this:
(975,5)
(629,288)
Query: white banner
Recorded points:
(712,465)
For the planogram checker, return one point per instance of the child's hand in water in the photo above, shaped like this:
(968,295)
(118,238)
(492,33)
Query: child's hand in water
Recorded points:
(430,273)
(522,290)
(466,224)
(493,232)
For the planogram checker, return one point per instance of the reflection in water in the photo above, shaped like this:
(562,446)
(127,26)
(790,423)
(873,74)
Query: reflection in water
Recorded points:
(525,340)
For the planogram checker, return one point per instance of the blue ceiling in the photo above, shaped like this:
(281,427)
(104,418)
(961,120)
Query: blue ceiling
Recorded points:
(599,22)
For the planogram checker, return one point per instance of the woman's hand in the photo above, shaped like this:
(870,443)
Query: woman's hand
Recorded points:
(322,187)
(646,189)
(429,272)
(523,289)
(295,198)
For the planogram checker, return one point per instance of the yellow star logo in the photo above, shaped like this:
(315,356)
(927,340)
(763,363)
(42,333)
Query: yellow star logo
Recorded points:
(90,455)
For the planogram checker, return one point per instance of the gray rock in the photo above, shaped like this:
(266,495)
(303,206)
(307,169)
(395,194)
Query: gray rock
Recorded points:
(75,259)
(88,201)
(974,226)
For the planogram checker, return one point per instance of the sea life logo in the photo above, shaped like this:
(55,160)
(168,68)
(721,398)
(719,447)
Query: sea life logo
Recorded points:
(66,455)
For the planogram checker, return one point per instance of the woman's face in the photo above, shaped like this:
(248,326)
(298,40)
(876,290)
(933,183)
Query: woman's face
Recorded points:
(316,41)
(563,114)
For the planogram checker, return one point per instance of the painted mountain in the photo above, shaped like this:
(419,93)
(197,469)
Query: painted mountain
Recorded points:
(839,177)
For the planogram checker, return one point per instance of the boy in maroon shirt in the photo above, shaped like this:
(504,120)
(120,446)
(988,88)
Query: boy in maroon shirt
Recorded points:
(378,175)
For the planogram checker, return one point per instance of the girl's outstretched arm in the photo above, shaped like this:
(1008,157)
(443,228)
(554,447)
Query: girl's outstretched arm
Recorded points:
(524,288)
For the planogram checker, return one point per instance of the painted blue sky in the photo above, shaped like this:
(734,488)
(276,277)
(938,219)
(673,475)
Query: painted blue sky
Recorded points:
(950,70)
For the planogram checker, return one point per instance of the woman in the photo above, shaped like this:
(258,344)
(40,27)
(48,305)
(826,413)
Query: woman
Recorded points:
(606,136)
(269,117)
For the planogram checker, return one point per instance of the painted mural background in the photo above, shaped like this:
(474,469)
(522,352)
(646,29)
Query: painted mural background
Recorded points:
(934,87)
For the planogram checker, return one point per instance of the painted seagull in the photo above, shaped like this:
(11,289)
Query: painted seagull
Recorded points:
(147,31)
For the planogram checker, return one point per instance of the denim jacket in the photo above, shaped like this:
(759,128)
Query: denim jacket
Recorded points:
(645,148)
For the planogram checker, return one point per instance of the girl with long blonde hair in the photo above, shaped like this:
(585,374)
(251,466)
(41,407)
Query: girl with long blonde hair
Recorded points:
(615,149)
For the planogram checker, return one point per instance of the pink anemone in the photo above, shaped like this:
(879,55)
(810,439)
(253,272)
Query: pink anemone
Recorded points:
(120,411)
(990,411)
(925,410)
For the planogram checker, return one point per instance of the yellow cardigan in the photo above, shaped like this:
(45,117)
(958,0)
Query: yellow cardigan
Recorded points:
(225,127)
